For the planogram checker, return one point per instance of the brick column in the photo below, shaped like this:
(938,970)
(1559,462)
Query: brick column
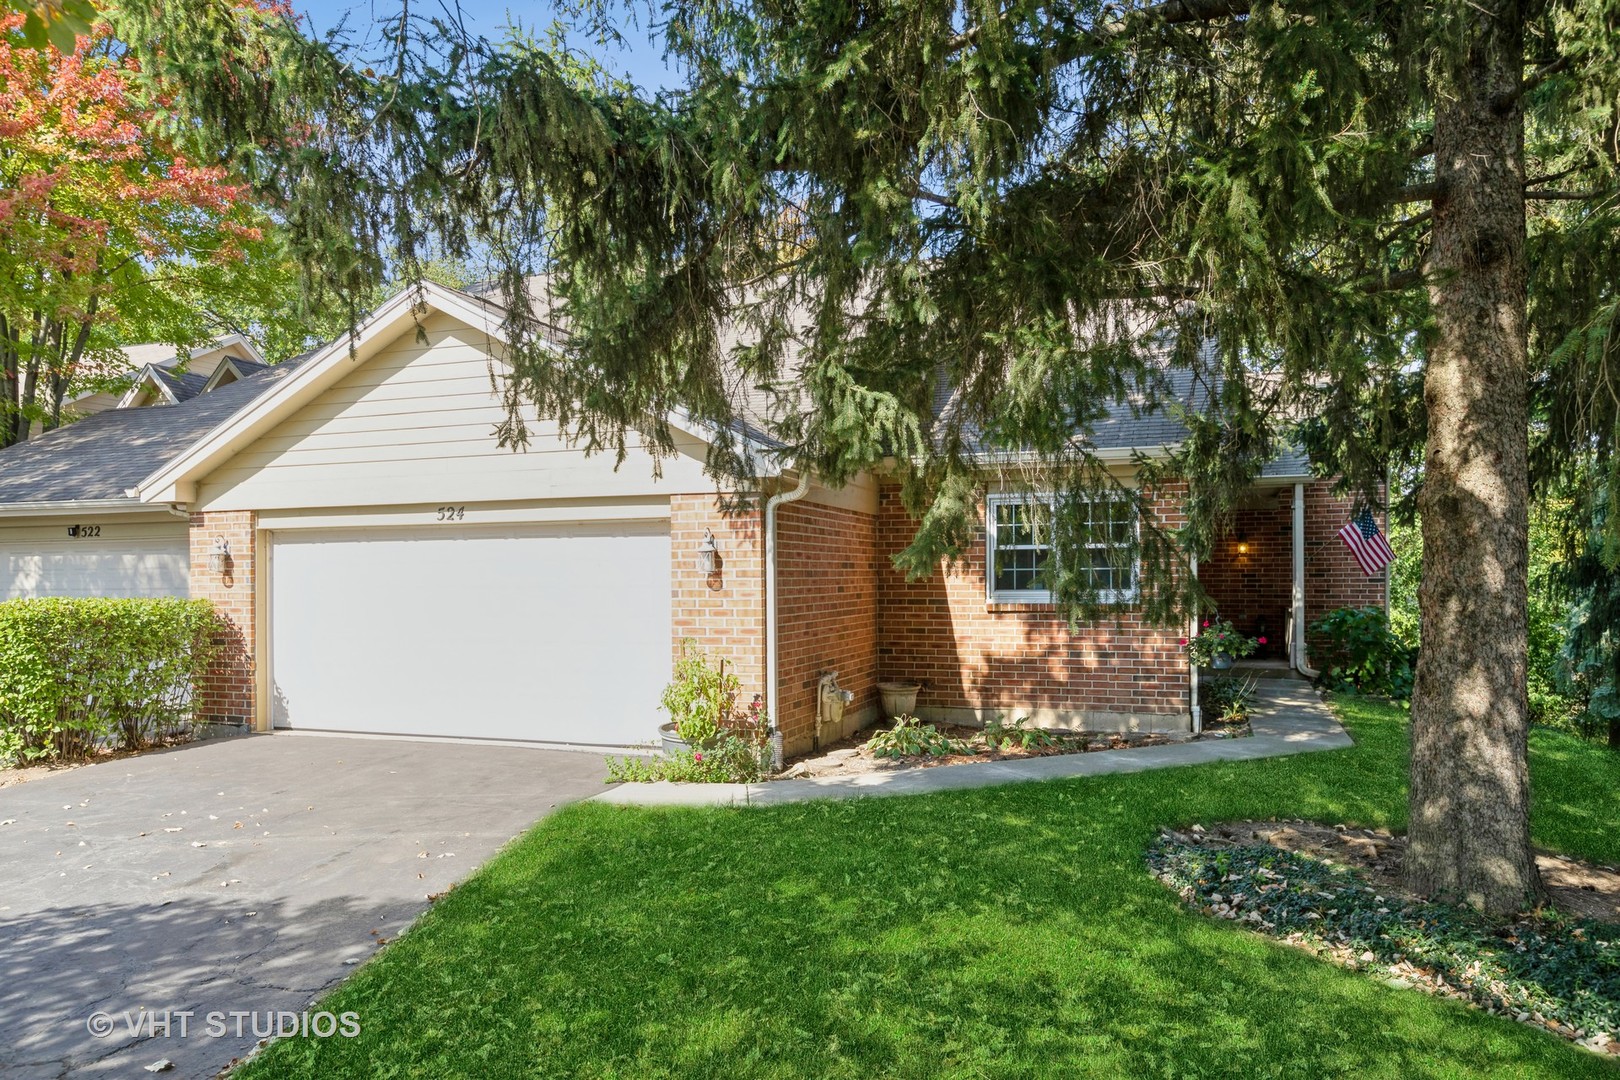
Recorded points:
(1333,578)
(724,611)
(227,692)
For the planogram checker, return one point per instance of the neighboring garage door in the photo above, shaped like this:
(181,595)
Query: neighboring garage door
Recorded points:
(551,634)
(102,558)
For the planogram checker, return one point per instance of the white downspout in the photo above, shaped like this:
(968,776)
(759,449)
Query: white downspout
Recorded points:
(1192,694)
(1297,645)
(770,609)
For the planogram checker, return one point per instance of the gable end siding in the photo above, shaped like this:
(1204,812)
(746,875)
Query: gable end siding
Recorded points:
(416,424)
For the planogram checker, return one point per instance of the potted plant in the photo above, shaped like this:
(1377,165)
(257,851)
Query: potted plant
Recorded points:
(1219,645)
(899,697)
(699,699)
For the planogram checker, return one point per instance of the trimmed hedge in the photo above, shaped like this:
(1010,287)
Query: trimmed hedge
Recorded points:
(77,674)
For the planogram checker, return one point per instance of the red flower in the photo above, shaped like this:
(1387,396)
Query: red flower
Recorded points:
(1261,640)
(1184,641)
(1206,624)
(697,757)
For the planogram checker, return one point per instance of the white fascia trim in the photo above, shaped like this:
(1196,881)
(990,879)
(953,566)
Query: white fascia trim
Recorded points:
(705,432)
(148,375)
(384,324)
(234,341)
(40,507)
(227,365)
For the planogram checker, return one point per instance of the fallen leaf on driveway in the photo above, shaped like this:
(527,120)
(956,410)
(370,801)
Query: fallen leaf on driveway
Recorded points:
(9,821)
(175,828)
(160,1065)
(198,843)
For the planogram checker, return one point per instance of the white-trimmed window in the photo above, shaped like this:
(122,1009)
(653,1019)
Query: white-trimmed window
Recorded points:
(1018,538)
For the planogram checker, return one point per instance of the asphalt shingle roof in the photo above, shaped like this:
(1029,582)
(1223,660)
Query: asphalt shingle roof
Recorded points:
(183,387)
(102,456)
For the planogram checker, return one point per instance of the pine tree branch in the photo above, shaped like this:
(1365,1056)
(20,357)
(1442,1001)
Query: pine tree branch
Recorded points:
(1395,282)
(1166,13)
(1546,71)
(1565,196)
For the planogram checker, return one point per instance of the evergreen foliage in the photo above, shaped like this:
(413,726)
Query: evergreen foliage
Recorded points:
(1042,206)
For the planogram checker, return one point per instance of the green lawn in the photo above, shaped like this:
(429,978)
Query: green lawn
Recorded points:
(1011,931)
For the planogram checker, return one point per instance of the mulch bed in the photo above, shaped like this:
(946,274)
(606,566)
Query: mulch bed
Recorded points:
(1337,892)
(852,755)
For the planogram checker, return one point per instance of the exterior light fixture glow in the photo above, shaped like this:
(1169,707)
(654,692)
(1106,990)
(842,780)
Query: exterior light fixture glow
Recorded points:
(708,553)
(219,556)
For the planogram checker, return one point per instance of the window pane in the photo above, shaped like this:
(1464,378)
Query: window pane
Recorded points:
(1120,527)
(1019,569)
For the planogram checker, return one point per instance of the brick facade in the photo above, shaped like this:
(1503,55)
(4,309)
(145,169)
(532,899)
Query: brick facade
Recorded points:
(723,612)
(976,659)
(227,692)
(843,607)
(1254,588)
(827,609)
(1333,579)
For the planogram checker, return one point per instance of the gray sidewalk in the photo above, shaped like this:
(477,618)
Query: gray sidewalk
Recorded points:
(1290,718)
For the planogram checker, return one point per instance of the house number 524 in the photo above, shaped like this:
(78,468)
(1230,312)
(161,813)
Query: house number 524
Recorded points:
(452,513)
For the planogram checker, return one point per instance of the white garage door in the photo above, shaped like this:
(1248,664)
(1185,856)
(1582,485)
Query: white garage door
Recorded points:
(552,634)
(102,559)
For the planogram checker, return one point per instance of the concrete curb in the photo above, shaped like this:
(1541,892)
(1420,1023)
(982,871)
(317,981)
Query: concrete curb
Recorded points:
(1291,718)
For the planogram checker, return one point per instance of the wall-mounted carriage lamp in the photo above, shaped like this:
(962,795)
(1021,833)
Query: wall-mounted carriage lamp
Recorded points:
(219,556)
(1243,544)
(708,553)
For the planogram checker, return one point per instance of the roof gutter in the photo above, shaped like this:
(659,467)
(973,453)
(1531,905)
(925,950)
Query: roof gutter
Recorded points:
(771,504)
(75,506)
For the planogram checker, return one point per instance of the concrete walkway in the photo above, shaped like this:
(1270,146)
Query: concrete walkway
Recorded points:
(1289,718)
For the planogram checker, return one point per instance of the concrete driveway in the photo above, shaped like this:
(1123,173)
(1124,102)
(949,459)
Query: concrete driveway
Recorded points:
(243,875)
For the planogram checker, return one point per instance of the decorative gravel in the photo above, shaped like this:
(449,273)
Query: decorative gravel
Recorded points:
(1546,969)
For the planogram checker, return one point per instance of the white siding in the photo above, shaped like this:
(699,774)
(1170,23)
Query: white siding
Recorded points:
(113,555)
(416,425)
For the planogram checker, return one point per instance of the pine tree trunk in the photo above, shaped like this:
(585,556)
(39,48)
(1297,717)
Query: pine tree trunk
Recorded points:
(1470,794)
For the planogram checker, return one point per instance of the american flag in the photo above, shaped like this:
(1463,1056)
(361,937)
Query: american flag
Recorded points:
(1366,543)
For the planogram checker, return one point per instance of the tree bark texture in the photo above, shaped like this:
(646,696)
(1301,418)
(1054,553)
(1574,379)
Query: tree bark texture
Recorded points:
(1470,784)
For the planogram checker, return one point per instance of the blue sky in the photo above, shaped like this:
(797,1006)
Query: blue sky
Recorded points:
(641,58)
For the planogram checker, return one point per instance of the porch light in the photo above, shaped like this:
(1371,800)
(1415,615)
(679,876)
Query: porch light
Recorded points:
(219,557)
(708,554)
(1243,544)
